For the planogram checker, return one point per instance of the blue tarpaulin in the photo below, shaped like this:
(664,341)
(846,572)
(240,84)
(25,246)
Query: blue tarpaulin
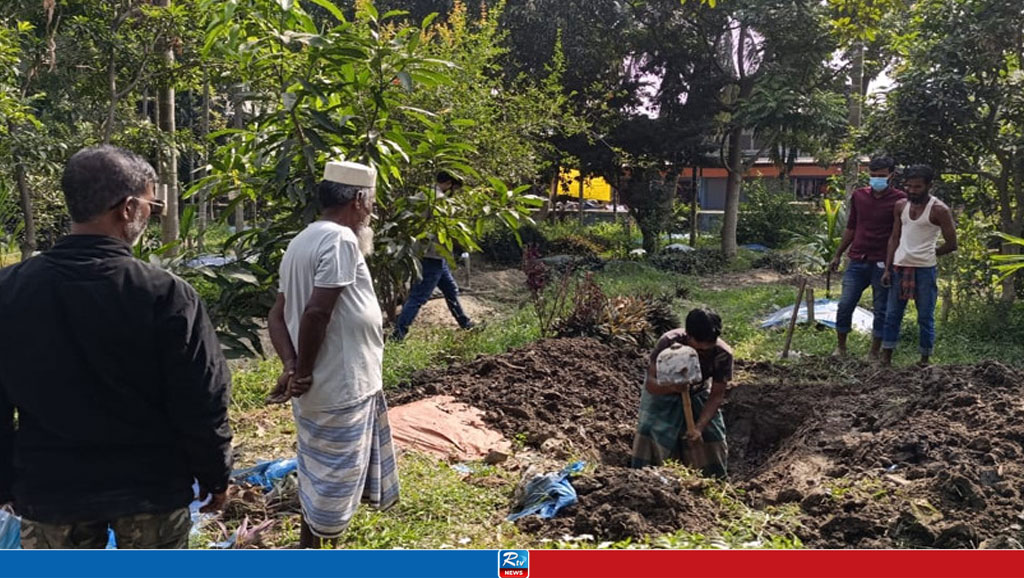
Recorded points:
(267,473)
(546,494)
(824,313)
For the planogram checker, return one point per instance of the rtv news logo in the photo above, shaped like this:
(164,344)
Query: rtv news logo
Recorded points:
(513,563)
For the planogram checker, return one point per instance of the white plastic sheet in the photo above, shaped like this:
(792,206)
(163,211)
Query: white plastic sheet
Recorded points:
(824,313)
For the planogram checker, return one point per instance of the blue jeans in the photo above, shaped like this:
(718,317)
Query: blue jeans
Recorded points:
(435,274)
(858,277)
(926,295)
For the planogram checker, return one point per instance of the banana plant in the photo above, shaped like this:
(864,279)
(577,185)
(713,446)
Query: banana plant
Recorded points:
(816,250)
(1009,264)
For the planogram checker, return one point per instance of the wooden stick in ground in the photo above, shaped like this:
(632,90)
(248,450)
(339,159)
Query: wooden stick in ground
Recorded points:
(810,306)
(695,450)
(792,319)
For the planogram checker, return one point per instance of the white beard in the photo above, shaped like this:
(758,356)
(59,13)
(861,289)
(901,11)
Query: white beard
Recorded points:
(365,236)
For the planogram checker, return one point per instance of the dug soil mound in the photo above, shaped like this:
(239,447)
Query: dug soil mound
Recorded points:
(565,396)
(616,503)
(905,458)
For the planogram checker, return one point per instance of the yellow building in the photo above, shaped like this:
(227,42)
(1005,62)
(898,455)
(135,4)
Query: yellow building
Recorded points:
(595,188)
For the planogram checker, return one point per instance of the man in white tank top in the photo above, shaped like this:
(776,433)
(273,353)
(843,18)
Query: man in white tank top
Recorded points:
(913,260)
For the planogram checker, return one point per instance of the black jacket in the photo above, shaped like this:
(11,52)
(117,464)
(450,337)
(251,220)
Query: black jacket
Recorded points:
(119,384)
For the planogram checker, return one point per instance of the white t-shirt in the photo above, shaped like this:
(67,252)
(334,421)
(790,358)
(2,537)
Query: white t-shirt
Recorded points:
(348,367)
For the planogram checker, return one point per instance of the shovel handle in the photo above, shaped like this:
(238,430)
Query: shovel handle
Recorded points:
(688,412)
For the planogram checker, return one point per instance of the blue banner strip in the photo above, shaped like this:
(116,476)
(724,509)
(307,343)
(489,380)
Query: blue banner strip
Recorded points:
(250,563)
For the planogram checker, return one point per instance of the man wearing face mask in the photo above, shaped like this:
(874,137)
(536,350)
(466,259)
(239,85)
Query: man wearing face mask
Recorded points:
(867,237)
(116,374)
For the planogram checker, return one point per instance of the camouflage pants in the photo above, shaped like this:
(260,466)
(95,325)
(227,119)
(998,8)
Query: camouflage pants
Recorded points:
(148,531)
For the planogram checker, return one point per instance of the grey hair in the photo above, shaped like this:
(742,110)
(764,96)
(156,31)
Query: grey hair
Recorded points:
(332,194)
(97,178)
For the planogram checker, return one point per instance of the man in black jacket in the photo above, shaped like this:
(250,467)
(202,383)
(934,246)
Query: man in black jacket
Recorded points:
(116,375)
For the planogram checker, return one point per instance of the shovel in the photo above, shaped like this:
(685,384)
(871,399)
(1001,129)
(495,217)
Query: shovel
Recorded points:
(693,454)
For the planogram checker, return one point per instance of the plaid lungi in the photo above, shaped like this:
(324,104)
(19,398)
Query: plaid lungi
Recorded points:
(661,433)
(345,456)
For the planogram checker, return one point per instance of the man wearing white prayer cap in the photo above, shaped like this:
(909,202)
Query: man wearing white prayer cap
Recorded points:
(327,328)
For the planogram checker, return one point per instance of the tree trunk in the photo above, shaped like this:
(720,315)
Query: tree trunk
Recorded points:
(581,197)
(169,156)
(1008,225)
(238,121)
(733,184)
(204,137)
(28,242)
(856,102)
(108,125)
(694,208)
(1010,283)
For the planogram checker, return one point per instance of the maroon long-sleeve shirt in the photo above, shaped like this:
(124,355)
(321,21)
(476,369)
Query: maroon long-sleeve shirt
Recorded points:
(871,221)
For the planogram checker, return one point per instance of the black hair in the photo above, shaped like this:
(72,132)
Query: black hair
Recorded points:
(446,177)
(923,172)
(97,178)
(332,194)
(704,325)
(881,162)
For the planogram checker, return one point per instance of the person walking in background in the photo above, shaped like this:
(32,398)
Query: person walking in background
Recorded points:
(116,375)
(867,233)
(914,251)
(327,328)
(435,274)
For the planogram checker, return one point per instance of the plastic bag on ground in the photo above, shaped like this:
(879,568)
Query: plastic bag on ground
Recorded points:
(267,473)
(546,494)
(10,530)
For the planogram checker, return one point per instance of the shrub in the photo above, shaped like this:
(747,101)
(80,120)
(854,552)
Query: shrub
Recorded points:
(783,262)
(500,246)
(635,320)
(767,216)
(575,245)
(697,262)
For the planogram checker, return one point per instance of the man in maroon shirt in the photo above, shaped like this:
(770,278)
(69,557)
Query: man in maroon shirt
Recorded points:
(867,236)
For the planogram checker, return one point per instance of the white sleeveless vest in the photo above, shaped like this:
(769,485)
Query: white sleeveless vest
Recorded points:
(918,239)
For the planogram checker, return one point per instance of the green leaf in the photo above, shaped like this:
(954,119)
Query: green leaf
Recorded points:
(330,7)
(428,20)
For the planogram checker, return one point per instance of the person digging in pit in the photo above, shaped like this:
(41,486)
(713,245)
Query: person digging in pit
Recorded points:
(696,363)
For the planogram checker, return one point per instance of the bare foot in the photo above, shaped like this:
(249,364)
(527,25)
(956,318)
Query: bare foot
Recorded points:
(839,352)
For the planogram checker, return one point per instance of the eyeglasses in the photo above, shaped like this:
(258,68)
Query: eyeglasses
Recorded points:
(159,207)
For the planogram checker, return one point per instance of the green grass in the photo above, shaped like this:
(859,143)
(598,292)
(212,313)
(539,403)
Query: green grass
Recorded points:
(742,310)
(426,347)
(251,381)
(438,508)
(631,278)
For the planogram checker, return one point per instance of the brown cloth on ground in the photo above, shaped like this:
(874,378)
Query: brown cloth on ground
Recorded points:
(442,426)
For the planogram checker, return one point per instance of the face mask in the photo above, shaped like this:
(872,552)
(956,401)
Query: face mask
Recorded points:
(879,183)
